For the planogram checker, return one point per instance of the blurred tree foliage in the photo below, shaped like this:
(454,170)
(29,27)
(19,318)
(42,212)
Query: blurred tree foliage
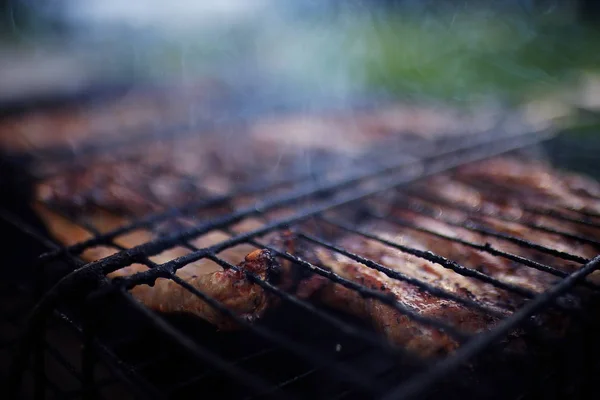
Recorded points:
(469,53)
(462,51)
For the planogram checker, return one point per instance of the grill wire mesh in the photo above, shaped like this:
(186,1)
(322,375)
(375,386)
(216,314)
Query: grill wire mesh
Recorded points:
(302,348)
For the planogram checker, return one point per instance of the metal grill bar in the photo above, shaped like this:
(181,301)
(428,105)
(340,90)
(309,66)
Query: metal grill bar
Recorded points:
(337,201)
(340,370)
(437,259)
(198,378)
(396,274)
(167,270)
(562,216)
(251,381)
(295,347)
(537,208)
(432,198)
(147,222)
(159,245)
(110,264)
(417,385)
(374,294)
(487,248)
(18,365)
(469,225)
(283,384)
(118,368)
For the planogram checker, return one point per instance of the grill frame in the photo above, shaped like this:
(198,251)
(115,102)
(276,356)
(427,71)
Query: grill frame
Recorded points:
(413,386)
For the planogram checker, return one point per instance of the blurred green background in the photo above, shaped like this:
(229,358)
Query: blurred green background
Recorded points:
(460,52)
(457,56)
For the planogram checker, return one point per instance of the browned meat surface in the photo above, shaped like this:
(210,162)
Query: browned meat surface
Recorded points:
(175,173)
(398,328)
(231,288)
(142,111)
(137,112)
(126,188)
(510,207)
(556,188)
(170,174)
(116,187)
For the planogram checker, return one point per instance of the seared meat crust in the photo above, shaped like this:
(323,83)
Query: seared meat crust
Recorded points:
(462,189)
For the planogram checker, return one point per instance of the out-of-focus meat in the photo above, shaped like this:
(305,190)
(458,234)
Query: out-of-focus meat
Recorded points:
(165,174)
(484,205)
(500,268)
(160,174)
(173,173)
(352,132)
(116,187)
(529,188)
(558,189)
(135,113)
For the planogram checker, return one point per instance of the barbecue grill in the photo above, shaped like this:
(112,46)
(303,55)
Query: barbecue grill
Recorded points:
(70,332)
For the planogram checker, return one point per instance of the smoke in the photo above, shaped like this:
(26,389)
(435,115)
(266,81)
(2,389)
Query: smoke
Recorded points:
(286,53)
(330,52)
(314,57)
(323,55)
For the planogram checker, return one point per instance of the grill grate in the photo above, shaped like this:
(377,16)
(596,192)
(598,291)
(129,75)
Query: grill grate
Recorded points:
(306,200)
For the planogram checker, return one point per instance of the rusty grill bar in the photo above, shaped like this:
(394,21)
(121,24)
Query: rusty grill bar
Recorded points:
(353,191)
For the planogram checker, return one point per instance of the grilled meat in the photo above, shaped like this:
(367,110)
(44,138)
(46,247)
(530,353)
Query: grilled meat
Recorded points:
(397,327)
(135,182)
(136,113)
(230,287)
(109,185)
(147,183)
(554,188)
(172,174)
(428,231)
(166,174)
(514,206)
